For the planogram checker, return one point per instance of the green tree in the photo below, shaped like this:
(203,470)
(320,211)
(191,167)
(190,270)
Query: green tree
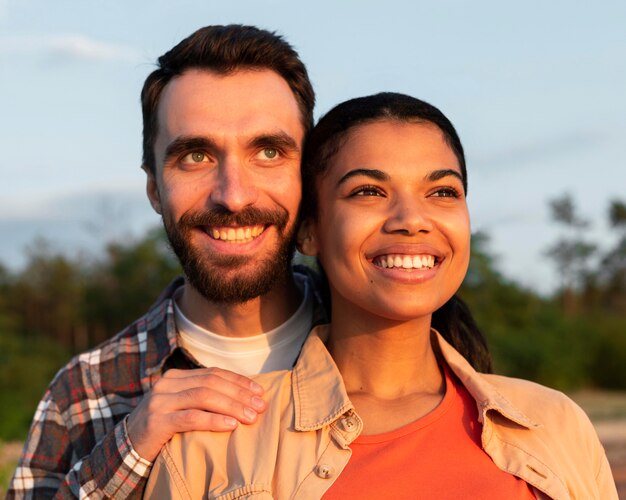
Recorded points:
(45,295)
(123,285)
(612,270)
(571,253)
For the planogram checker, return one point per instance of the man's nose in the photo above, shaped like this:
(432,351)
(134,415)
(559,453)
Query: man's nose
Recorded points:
(234,187)
(408,215)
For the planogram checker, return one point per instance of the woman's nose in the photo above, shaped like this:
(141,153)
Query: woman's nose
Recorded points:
(408,215)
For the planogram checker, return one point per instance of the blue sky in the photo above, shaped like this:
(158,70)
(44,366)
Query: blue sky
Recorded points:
(537,91)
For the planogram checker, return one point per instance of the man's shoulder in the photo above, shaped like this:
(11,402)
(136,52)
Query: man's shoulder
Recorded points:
(118,364)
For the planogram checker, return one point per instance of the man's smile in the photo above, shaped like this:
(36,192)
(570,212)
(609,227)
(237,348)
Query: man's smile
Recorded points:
(242,234)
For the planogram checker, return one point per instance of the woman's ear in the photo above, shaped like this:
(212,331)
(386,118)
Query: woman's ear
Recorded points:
(306,240)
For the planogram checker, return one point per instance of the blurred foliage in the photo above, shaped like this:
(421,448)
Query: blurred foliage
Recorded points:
(58,306)
(27,365)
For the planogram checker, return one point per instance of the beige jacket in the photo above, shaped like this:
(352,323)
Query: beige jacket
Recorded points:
(300,445)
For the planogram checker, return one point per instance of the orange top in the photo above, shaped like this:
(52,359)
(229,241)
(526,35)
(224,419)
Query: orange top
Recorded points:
(438,456)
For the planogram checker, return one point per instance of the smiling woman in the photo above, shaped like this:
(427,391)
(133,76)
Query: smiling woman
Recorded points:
(387,401)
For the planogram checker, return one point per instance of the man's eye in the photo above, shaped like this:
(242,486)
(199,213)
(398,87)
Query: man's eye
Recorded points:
(269,153)
(195,157)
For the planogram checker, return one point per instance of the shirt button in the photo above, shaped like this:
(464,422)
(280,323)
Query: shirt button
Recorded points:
(348,424)
(325,471)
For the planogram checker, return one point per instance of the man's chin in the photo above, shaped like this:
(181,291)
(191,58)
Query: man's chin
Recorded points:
(233,291)
(234,282)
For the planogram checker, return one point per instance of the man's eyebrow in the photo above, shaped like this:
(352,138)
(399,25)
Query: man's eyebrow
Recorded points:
(435,175)
(278,140)
(375,174)
(186,143)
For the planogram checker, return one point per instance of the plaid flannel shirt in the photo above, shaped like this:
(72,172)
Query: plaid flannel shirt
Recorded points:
(78,445)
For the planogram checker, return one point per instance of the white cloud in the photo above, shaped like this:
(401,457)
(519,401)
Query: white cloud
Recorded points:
(68,46)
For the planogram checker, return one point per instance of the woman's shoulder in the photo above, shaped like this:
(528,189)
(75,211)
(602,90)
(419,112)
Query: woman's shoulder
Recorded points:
(536,398)
(553,412)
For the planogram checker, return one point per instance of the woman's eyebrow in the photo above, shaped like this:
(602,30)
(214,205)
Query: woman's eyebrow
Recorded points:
(375,174)
(186,143)
(435,175)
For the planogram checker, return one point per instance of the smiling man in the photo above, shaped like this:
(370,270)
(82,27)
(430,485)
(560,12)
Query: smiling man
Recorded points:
(225,115)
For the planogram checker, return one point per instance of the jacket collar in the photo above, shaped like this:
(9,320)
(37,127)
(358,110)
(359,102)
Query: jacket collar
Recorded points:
(485,394)
(320,395)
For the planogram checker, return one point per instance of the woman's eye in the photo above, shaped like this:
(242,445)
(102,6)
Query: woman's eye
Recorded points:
(367,191)
(446,192)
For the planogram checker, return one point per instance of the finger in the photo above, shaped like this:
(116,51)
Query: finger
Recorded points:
(197,420)
(212,381)
(156,410)
(228,375)
(214,401)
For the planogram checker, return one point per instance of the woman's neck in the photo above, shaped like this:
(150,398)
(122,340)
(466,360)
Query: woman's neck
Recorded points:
(389,368)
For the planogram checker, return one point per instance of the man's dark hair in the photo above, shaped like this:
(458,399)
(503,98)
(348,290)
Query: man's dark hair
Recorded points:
(224,50)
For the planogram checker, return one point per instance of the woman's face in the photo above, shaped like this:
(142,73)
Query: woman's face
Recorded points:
(393,228)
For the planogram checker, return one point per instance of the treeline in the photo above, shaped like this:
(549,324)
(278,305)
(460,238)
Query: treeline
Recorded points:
(59,305)
(575,338)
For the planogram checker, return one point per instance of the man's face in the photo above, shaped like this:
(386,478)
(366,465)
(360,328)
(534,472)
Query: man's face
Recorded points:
(227,179)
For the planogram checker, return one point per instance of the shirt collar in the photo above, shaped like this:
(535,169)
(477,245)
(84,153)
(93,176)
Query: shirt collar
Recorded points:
(159,329)
(321,398)
(158,326)
(485,394)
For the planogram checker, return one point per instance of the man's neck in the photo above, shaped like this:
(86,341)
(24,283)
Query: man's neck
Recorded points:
(259,315)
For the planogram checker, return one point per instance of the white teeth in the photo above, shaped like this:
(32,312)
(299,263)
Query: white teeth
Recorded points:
(236,235)
(405,261)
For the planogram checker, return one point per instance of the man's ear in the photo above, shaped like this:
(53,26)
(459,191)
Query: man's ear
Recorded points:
(306,240)
(152,190)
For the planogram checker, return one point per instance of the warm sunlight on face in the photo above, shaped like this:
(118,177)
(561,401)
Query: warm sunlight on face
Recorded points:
(393,231)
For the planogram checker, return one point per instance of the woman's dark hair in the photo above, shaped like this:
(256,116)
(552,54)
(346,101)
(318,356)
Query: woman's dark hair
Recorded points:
(453,320)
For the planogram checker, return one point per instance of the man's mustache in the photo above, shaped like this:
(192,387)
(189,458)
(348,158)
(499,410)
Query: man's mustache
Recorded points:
(220,217)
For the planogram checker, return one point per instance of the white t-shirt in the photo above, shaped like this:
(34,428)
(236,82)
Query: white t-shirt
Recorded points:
(277,349)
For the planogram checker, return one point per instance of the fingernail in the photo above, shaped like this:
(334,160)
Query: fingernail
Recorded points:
(230,421)
(249,413)
(258,403)
(256,387)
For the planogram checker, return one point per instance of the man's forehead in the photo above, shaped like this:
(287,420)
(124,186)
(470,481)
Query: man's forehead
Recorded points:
(245,102)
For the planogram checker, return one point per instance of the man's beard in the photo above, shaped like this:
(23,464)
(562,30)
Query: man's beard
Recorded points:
(215,276)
